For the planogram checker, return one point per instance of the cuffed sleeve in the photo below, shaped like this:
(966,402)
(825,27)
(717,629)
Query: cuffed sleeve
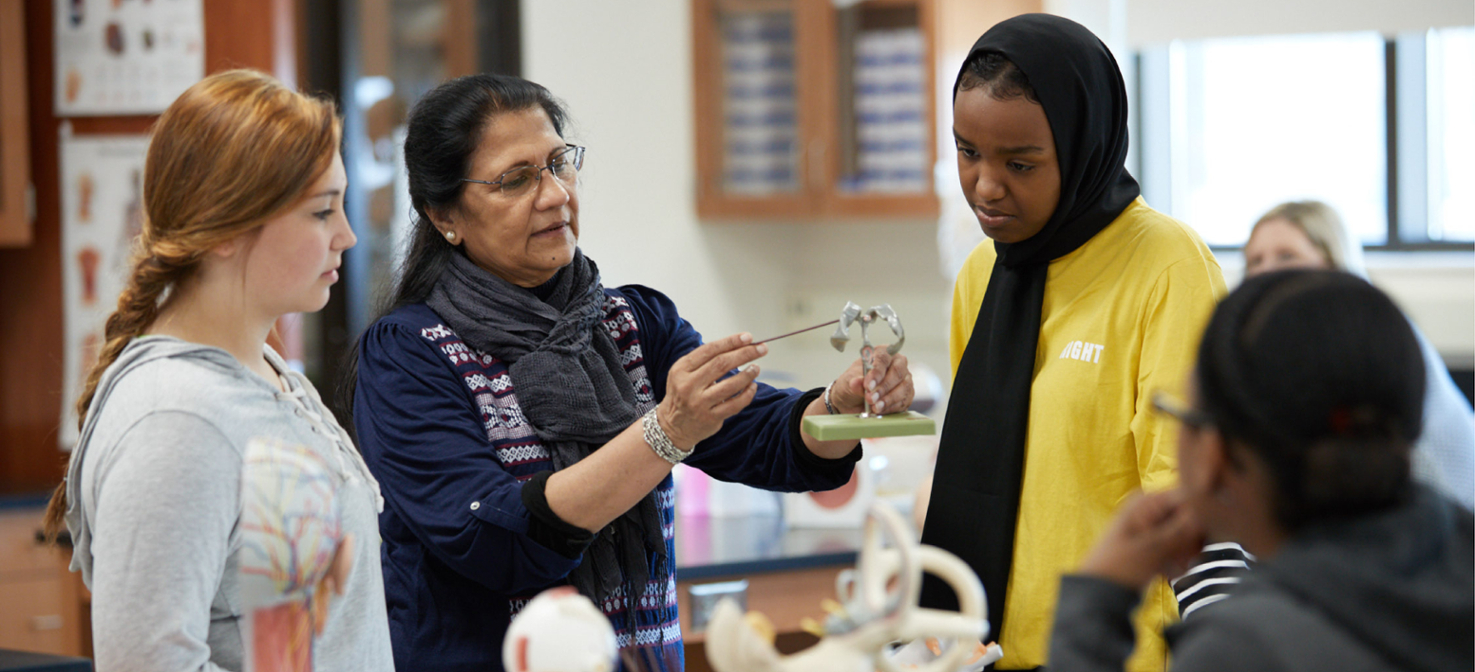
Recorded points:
(1216,572)
(802,454)
(545,527)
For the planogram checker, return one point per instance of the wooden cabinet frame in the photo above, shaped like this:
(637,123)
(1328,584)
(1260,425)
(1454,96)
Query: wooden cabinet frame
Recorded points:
(15,148)
(817,73)
(708,95)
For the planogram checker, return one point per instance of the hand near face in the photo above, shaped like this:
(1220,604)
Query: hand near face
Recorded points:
(1151,535)
(700,394)
(889,386)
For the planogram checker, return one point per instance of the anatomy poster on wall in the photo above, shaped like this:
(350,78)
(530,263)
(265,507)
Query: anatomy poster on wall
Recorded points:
(102,212)
(126,56)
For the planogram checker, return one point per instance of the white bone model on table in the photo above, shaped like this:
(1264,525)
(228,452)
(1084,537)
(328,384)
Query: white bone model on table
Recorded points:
(878,607)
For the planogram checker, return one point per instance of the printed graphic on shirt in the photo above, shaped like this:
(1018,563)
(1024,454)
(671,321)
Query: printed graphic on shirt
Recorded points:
(1083,351)
(291,533)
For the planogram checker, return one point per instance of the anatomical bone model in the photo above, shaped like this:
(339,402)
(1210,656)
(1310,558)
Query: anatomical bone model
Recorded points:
(878,607)
(852,314)
(868,424)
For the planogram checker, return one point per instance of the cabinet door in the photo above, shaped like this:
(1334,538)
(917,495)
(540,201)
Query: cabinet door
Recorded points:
(879,128)
(37,616)
(15,151)
(810,108)
(39,606)
(753,113)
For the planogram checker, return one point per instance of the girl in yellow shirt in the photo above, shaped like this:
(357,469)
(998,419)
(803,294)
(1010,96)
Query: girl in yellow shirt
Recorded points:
(1082,303)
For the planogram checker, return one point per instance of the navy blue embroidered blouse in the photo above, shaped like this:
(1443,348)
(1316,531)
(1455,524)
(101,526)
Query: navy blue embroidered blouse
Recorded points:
(440,427)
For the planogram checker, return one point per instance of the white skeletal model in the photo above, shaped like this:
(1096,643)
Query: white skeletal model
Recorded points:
(878,607)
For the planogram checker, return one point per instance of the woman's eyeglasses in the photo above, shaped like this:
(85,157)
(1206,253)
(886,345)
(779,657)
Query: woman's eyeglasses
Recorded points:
(1166,404)
(564,165)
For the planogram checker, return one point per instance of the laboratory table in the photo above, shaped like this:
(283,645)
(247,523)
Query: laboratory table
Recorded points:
(788,570)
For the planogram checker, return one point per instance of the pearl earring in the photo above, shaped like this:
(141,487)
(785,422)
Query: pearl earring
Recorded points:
(451,236)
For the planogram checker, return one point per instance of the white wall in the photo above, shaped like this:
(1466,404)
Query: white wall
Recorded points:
(1157,21)
(1438,293)
(624,68)
(1436,290)
(1124,24)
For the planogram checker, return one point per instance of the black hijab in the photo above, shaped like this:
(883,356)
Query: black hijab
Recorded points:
(980,462)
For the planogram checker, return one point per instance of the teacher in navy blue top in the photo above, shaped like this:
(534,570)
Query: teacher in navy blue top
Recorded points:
(523,419)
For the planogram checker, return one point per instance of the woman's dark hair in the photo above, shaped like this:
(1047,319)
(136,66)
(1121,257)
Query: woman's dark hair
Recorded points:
(444,130)
(1319,375)
(997,75)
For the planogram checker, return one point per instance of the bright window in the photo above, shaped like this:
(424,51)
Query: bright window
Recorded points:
(1252,122)
(1451,133)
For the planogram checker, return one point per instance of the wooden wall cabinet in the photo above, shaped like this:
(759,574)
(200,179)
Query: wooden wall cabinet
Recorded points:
(16,197)
(814,108)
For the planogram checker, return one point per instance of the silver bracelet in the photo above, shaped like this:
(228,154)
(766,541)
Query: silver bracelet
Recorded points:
(829,408)
(659,442)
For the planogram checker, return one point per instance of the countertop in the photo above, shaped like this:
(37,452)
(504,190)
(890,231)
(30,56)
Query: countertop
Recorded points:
(24,661)
(705,546)
(26,499)
(726,546)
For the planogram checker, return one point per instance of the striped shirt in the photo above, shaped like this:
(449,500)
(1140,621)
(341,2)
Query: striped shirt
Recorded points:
(1212,577)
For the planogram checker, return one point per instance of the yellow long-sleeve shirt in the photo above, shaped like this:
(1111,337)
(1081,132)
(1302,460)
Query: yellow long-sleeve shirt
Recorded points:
(1122,317)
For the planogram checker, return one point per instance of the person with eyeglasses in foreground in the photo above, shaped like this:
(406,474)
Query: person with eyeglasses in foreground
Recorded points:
(1310,234)
(524,418)
(1305,402)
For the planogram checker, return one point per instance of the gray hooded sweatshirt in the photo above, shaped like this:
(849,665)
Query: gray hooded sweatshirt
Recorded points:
(154,506)
(1393,590)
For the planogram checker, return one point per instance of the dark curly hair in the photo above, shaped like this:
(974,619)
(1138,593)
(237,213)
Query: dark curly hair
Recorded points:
(997,75)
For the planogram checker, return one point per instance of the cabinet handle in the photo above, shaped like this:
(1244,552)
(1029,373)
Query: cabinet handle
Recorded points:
(48,622)
(817,164)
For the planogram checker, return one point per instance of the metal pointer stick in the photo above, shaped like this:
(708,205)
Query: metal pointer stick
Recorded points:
(732,373)
(775,338)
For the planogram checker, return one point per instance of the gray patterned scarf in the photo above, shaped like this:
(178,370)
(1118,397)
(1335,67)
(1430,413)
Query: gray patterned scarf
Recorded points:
(571,386)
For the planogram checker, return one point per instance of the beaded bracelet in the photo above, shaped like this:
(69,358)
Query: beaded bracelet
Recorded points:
(659,442)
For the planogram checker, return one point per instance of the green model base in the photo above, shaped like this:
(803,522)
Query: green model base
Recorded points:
(838,427)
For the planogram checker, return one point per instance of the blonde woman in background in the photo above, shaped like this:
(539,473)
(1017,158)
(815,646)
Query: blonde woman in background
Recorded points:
(1310,234)
(1302,234)
(243,201)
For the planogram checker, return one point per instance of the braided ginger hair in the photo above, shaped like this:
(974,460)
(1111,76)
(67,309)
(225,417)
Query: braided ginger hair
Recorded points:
(231,152)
